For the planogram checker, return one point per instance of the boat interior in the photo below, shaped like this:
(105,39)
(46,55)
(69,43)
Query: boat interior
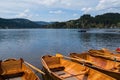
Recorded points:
(69,70)
(98,61)
(13,69)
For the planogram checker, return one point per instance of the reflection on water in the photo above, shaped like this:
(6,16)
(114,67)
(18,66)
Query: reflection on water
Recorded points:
(31,44)
(98,41)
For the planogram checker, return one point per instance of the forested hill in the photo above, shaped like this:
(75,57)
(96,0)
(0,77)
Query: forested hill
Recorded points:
(17,23)
(108,20)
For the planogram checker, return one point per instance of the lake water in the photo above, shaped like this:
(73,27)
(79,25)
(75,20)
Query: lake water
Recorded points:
(31,44)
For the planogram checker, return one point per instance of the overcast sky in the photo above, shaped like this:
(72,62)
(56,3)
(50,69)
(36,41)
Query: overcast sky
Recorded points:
(56,10)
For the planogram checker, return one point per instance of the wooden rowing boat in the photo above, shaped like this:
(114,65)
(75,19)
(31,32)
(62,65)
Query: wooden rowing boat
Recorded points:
(12,69)
(104,64)
(105,53)
(118,50)
(62,68)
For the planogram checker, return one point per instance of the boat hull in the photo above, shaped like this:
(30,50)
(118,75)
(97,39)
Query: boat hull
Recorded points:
(98,63)
(16,69)
(72,71)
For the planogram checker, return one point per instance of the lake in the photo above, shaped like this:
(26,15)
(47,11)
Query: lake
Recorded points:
(31,44)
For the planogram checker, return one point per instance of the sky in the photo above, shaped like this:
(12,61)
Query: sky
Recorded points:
(56,10)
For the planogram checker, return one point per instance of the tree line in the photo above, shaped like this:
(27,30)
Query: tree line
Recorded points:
(108,20)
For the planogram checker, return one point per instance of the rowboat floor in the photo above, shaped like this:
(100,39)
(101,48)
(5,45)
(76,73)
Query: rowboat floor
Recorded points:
(17,78)
(71,78)
(65,75)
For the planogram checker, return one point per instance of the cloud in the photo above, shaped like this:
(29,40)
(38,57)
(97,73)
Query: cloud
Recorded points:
(8,11)
(24,14)
(75,14)
(106,4)
(103,6)
(46,9)
(46,2)
(56,12)
(66,4)
(86,10)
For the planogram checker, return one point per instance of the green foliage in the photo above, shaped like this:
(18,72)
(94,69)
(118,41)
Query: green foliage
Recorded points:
(108,20)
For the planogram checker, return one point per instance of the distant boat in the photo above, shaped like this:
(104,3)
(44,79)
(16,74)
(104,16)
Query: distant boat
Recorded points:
(112,31)
(83,30)
(118,50)
(12,69)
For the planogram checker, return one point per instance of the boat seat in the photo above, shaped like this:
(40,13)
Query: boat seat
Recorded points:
(54,63)
(1,78)
(52,60)
(16,78)
(11,68)
(11,76)
(116,69)
(56,67)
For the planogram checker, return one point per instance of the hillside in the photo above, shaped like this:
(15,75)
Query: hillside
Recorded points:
(17,23)
(108,20)
(43,22)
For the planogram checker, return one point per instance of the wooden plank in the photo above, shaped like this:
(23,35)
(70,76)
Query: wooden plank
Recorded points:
(35,68)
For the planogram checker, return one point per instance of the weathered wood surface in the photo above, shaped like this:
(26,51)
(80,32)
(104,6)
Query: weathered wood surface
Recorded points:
(72,70)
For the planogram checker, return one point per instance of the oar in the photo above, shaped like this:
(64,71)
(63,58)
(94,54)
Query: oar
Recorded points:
(82,61)
(35,68)
(45,65)
(109,56)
